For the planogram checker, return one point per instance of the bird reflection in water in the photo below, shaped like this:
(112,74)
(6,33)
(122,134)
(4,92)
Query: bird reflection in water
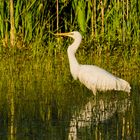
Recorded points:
(95,112)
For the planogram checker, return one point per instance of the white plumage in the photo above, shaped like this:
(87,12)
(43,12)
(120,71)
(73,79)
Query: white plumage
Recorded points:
(93,77)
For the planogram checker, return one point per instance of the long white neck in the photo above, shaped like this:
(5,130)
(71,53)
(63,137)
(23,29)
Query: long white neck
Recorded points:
(74,65)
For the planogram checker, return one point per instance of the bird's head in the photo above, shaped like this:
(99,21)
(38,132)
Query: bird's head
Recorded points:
(74,34)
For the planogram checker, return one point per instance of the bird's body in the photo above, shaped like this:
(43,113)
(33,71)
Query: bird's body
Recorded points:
(102,80)
(93,77)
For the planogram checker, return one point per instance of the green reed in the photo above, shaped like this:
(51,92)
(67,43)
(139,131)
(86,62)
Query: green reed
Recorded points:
(103,20)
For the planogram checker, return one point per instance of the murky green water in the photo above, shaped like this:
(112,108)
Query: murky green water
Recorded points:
(39,100)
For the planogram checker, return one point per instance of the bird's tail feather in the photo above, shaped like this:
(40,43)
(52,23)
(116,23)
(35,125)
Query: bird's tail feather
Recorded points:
(123,85)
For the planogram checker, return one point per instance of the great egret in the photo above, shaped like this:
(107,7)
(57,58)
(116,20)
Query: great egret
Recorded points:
(93,77)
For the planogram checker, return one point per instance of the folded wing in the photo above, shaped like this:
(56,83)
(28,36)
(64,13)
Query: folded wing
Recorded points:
(95,78)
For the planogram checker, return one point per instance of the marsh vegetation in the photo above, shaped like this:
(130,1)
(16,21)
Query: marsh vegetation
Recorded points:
(38,96)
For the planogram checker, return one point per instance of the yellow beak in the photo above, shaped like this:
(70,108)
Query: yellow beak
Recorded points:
(64,34)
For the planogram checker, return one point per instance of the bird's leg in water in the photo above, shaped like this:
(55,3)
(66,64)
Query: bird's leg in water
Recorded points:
(94,90)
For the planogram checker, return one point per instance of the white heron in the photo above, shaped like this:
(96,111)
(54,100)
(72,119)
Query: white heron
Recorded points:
(92,76)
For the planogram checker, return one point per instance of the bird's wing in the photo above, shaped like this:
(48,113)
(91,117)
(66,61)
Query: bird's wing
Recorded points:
(96,78)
